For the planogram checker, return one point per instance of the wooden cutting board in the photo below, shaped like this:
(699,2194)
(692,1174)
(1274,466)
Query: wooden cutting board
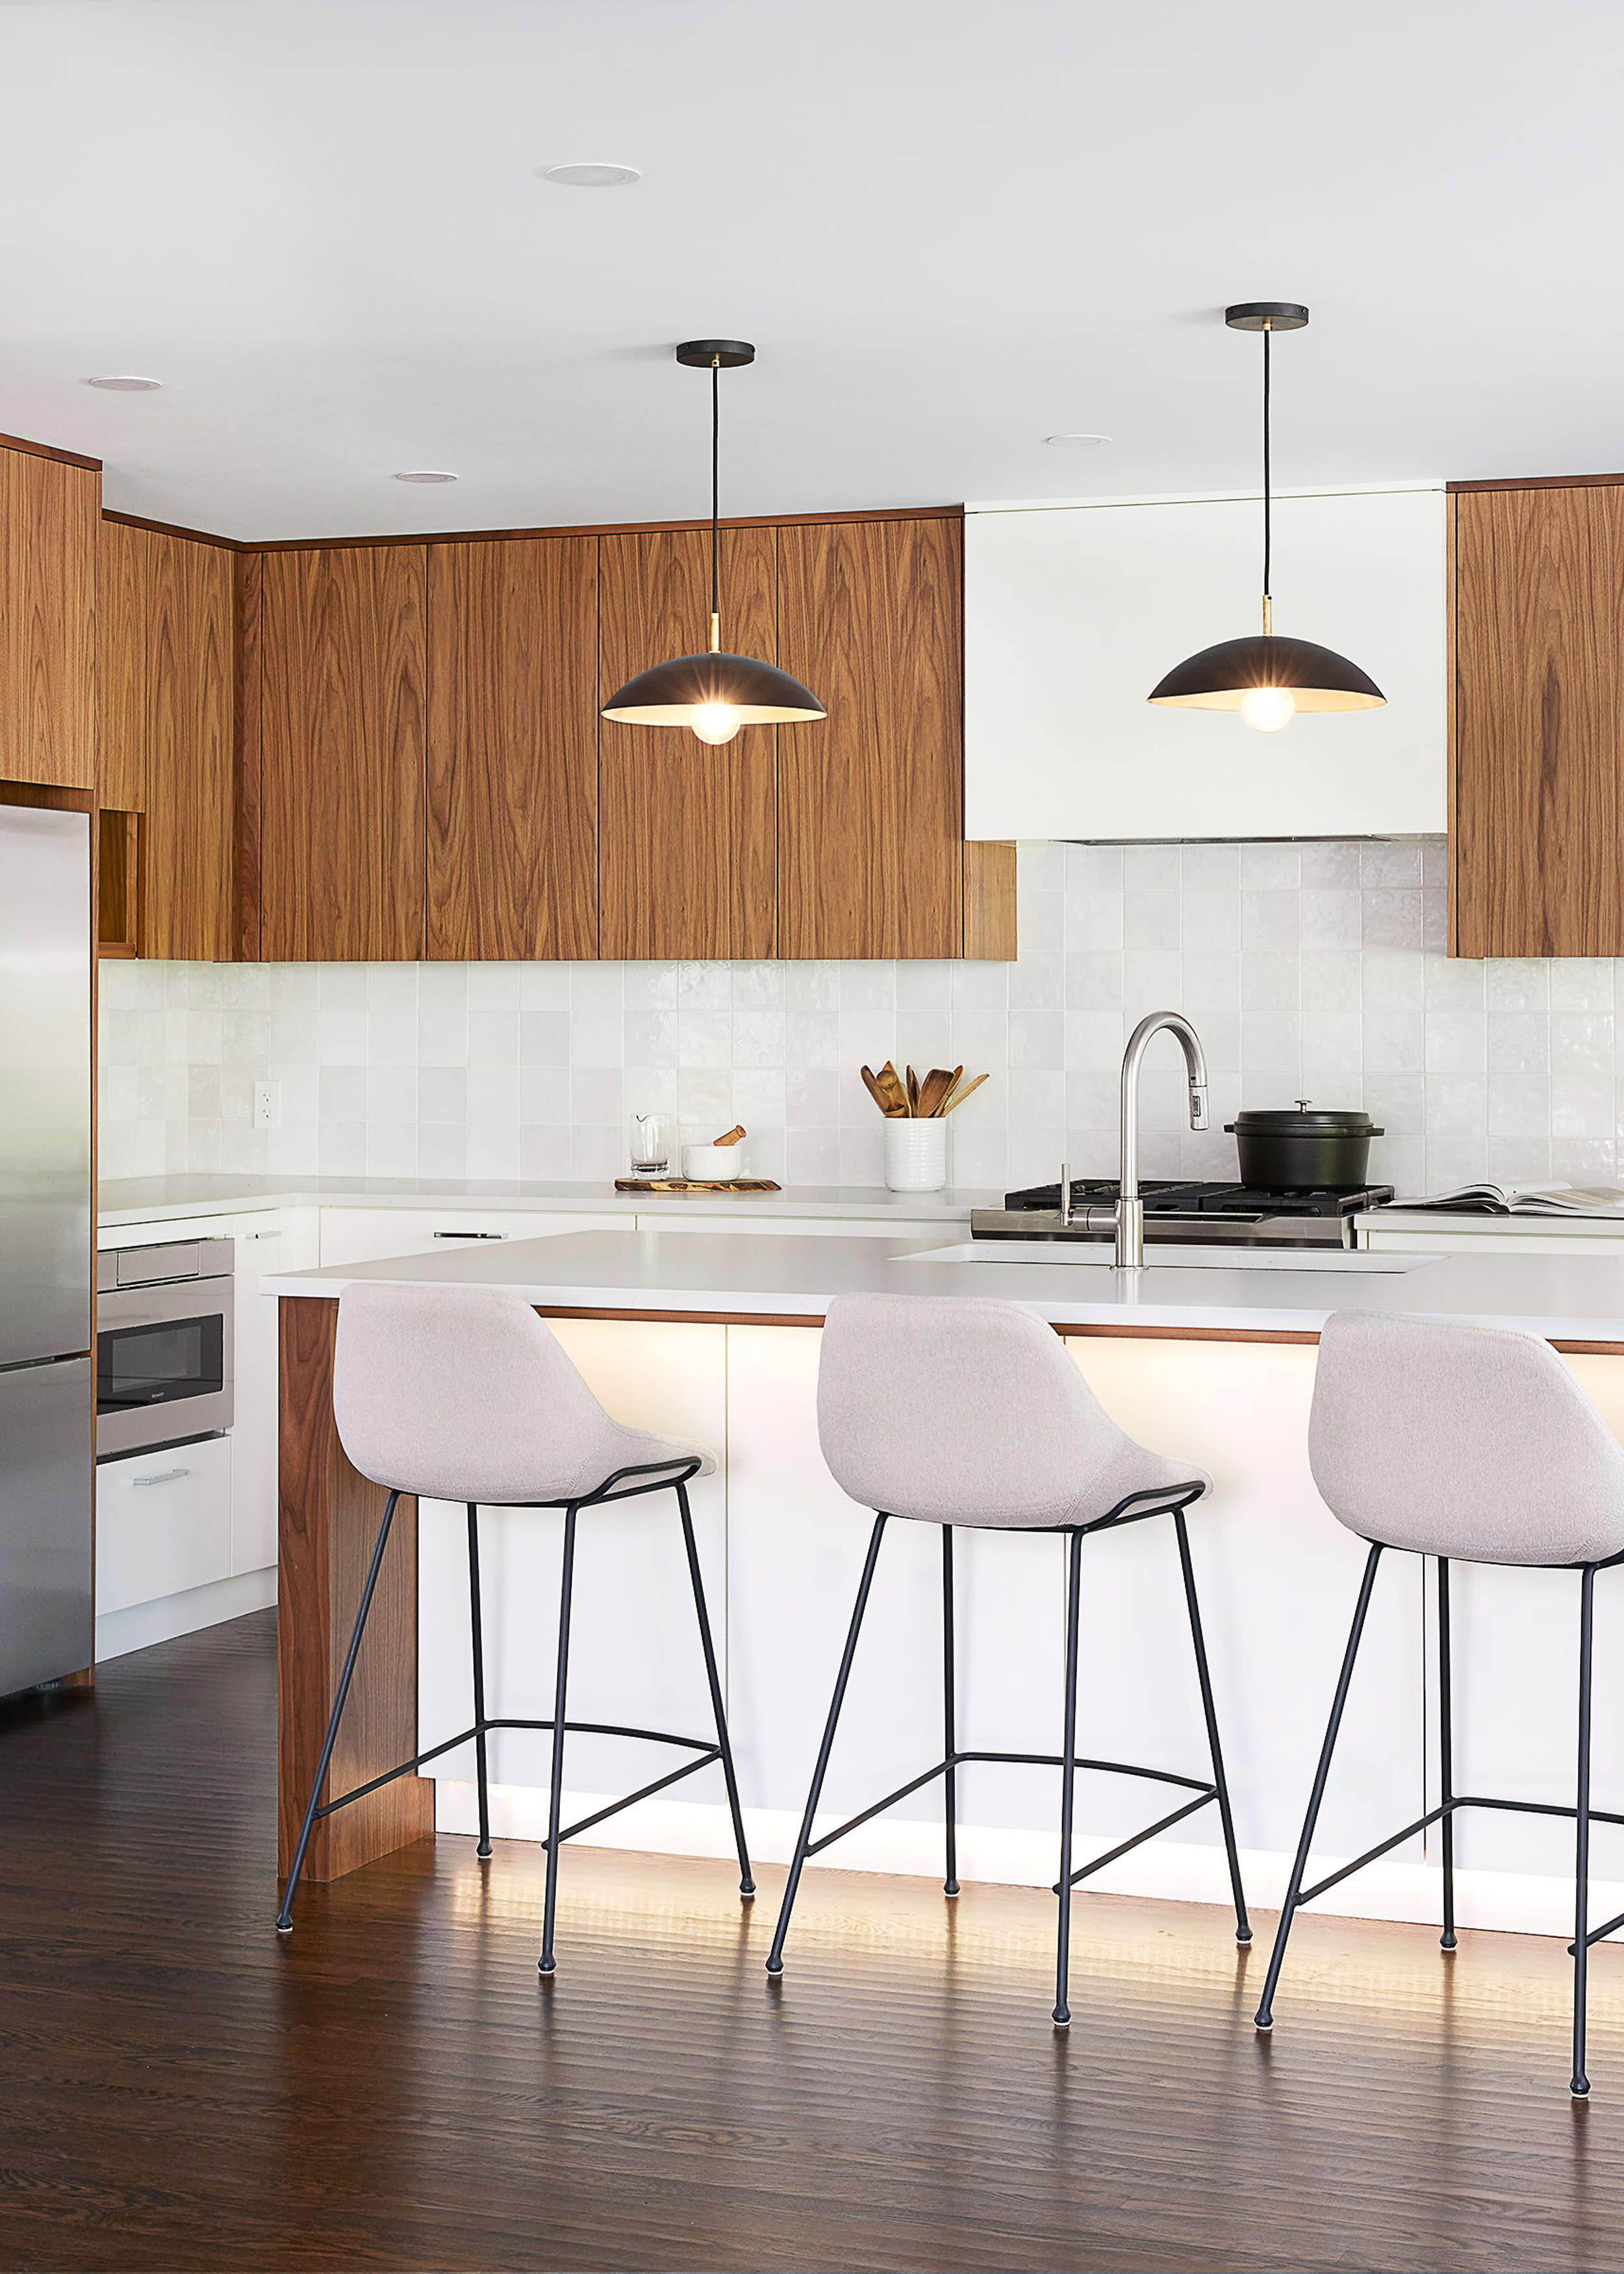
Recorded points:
(683,1184)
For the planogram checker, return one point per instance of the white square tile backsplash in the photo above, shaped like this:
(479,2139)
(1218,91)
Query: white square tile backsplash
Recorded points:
(1311,970)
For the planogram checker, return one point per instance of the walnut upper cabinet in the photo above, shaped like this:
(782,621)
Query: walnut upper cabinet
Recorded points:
(49,514)
(335,670)
(871,855)
(512,764)
(165,746)
(1536,833)
(424,771)
(689,830)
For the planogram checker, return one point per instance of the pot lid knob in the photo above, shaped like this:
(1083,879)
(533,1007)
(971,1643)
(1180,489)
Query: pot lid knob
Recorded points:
(1303,1104)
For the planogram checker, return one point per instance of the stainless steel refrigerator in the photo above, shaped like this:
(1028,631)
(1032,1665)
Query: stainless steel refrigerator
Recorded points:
(47,1375)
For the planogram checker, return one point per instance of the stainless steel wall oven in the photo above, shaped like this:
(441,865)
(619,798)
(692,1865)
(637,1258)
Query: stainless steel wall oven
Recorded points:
(163,1344)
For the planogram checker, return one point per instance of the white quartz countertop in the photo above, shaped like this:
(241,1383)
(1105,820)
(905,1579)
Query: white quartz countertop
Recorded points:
(1528,1224)
(1579,1300)
(150,1200)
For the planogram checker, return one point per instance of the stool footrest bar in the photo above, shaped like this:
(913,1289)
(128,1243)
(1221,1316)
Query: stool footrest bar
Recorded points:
(1535,1808)
(673,1776)
(1107,1768)
(706,1750)
(901,1793)
(1432,1816)
(1176,1816)
(1600,1933)
(1204,1792)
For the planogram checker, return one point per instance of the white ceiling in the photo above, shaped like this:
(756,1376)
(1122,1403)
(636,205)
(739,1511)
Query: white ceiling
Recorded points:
(952,227)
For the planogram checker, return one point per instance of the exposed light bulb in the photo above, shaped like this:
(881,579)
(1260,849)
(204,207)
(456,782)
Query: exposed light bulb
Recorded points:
(1268,709)
(716,722)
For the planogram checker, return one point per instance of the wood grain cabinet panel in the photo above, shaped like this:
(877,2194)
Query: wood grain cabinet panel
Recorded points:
(871,859)
(688,833)
(50,533)
(124,575)
(512,779)
(187,868)
(165,731)
(1538,731)
(340,729)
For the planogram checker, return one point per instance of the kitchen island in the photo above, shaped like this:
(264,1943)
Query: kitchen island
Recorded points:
(714,1337)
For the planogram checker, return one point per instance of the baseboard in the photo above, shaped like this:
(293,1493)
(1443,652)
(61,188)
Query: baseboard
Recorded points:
(142,1624)
(1169,1870)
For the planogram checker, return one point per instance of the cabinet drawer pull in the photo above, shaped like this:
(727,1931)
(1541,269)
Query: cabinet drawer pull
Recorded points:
(161,1477)
(471,1235)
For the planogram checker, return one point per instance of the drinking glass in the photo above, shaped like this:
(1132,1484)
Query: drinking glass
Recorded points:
(653,1142)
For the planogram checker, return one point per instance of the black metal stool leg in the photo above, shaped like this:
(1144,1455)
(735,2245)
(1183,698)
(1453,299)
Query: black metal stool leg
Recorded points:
(747,1884)
(546,1963)
(1579,2083)
(775,1957)
(1445,1747)
(1242,1926)
(484,1849)
(1263,2018)
(284,1917)
(949,1886)
(1068,1786)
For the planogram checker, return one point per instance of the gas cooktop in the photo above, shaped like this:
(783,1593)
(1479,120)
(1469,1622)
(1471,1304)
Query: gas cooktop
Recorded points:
(1246,1214)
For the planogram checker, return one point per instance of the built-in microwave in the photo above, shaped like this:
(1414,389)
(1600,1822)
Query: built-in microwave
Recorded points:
(163,1344)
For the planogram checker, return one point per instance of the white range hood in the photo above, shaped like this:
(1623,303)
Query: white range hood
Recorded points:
(1073,613)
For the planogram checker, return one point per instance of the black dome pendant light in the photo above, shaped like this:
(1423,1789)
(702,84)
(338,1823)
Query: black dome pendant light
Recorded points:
(713,694)
(1268,679)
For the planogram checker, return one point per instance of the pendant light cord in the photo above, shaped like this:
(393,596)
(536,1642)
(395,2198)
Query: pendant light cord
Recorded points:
(716,493)
(1267,533)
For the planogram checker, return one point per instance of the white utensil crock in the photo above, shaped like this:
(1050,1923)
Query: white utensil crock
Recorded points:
(916,1155)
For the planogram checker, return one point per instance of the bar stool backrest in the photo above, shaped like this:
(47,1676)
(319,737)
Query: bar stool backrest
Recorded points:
(462,1393)
(1459,1439)
(964,1411)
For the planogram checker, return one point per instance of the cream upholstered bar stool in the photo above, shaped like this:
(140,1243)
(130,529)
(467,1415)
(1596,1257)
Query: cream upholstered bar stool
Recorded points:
(464,1394)
(1475,1445)
(970,1413)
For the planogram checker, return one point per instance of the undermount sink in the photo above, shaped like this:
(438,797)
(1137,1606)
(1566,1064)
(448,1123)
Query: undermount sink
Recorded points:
(1165,1254)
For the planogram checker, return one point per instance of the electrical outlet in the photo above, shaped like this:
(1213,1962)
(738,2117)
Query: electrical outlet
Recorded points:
(268,1105)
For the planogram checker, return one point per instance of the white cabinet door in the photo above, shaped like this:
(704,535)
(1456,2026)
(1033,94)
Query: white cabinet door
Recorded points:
(163,1522)
(368,1235)
(1073,614)
(288,1240)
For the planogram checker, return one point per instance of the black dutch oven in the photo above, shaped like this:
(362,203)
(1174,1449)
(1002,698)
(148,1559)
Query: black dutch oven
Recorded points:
(1310,1150)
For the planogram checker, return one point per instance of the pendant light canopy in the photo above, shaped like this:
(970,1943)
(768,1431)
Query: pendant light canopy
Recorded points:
(1267,678)
(714,694)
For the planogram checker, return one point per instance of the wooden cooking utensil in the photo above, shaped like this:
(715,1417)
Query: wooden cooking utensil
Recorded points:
(891,1082)
(959,1095)
(932,1093)
(735,1135)
(913,1093)
(871,1083)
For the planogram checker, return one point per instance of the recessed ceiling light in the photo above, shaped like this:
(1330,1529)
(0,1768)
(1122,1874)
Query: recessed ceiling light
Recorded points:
(126,383)
(1079,441)
(425,478)
(591,174)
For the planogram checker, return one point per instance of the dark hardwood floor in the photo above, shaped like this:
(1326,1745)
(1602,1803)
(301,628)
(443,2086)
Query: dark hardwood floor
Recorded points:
(394,2086)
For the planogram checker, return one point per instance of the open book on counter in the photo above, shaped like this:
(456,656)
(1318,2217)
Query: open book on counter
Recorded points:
(1524,1200)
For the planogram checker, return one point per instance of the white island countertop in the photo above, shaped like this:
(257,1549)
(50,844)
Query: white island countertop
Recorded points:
(150,1200)
(641,1274)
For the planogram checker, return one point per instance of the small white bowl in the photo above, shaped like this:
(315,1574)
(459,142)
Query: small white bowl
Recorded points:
(709,1165)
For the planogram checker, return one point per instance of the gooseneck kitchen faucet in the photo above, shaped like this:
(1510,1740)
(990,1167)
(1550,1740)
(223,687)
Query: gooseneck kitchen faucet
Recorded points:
(1127,1217)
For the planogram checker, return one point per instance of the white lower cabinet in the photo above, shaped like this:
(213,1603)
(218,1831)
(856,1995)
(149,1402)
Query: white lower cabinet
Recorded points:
(368,1235)
(163,1522)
